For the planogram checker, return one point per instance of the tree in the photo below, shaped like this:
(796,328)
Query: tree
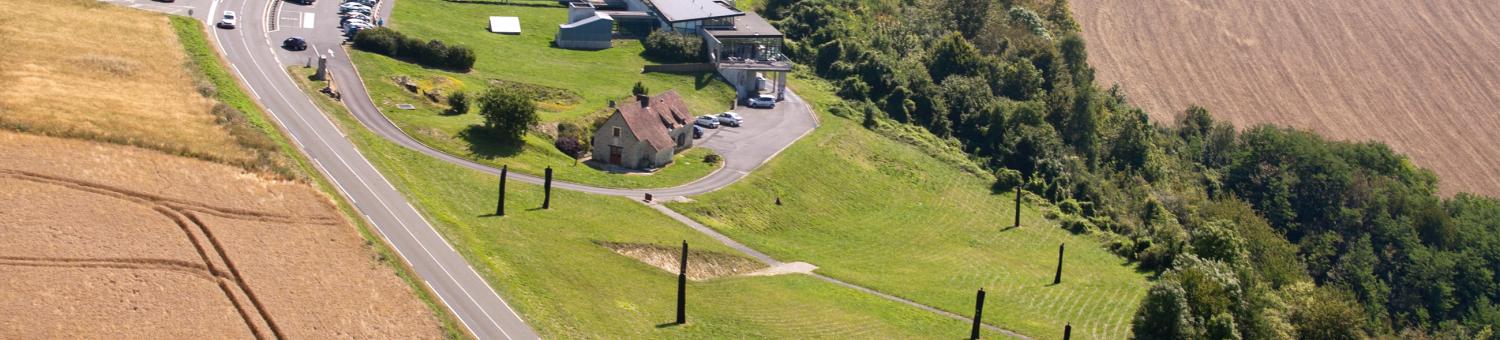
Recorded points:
(1164,314)
(640,90)
(1217,240)
(458,103)
(954,56)
(507,114)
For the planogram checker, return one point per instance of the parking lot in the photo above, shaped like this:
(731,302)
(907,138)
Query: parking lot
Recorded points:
(765,133)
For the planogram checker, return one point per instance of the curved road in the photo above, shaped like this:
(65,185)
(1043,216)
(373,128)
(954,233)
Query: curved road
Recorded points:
(254,54)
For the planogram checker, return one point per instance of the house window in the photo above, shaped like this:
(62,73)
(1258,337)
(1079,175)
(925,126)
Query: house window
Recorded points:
(617,132)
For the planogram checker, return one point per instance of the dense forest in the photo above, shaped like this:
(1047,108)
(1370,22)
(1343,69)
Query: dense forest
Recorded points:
(1255,233)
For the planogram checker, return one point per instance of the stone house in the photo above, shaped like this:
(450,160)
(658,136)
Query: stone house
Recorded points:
(645,133)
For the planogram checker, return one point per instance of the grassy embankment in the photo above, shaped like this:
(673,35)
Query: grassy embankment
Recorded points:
(206,61)
(576,86)
(549,265)
(877,212)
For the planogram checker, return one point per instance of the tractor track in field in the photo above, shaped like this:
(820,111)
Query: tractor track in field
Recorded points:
(184,215)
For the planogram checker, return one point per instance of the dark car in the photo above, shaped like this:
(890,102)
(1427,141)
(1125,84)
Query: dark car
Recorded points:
(697,132)
(294,44)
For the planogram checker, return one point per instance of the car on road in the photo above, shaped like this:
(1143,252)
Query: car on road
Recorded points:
(707,121)
(697,132)
(730,118)
(763,101)
(230,20)
(303,2)
(294,44)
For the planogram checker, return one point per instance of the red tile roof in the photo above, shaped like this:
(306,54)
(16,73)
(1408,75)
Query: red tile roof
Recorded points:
(652,119)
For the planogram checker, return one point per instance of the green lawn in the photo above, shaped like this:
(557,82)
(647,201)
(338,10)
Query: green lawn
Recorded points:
(880,213)
(547,264)
(585,80)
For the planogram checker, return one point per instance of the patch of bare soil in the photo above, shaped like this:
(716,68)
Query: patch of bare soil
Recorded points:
(108,241)
(1422,76)
(702,265)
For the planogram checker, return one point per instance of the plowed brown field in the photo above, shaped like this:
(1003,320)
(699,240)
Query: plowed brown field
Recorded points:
(1422,76)
(108,241)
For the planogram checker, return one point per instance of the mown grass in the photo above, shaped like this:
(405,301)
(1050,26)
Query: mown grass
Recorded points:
(206,61)
(591,78)
(881,213)
(549,265)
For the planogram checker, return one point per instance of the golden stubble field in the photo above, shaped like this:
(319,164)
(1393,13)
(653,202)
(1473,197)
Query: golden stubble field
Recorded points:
(111,235)
(1422,76)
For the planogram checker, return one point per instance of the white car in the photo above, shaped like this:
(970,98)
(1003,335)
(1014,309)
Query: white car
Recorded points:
(731,119)
(230,20)
(763,101)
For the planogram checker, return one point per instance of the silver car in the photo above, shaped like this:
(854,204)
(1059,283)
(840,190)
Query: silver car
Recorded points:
(731,119)
(763,101)
(707,121)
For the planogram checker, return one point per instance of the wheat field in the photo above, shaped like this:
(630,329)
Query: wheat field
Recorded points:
(1422,76)
(84,69)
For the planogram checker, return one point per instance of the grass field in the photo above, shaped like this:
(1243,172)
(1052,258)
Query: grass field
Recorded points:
(883,214)
(584,81)
(1420,76)
(127,87)
(550,266)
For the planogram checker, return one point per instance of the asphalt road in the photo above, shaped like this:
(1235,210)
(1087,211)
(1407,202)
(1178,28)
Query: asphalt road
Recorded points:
(253,50)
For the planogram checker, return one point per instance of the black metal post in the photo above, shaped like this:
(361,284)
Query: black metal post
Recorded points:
(547,190)
(682,287)
(1067,331)
(500,205)
(1057,279)
(1018,207)
(978,315)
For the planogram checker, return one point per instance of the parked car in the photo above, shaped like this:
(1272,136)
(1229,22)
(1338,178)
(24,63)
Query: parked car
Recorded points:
(357,15)
(355,22)
(731,119)
(303,2)
(697,132)
(294,44)
(707,121)
(354,7)
(230,20)
(763,101)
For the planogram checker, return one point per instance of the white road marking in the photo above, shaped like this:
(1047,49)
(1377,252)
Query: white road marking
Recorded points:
(307,20)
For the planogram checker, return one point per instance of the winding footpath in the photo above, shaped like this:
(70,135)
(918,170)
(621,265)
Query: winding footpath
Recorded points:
(255,57)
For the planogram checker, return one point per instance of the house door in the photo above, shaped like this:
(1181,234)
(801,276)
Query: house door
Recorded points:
(615,153)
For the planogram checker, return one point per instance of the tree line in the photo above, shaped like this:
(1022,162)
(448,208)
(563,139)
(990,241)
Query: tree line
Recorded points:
(1260,233)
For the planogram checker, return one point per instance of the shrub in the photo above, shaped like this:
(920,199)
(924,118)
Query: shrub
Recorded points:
(672,47)
(431,53)
(458,103)
(1069,206)
(713,158)
(640,89)
(1006,180)
(572,139)
(569,145)
(506,113)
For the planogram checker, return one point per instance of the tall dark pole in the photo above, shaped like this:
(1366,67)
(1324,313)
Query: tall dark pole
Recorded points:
(500,205)
(1018,207)
(547,190)
(1058,278)
(978,314)
(682,287)
(1067,331)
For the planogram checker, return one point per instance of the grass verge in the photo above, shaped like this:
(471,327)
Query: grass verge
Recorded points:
(207,61)
(575,86)
(889,215)
(550,264)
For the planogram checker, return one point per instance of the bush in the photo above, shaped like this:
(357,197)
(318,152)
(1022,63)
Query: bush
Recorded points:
(506,113)
(1006,180)
(640,89)
(431,53)
(713,158)
(1069,206)
(458,104)
(571,139)
(672,47)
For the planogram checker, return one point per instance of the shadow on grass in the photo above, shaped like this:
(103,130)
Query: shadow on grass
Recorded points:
(669,325)
(486,145)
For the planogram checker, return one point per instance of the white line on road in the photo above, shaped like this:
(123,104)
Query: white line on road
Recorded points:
(307,20)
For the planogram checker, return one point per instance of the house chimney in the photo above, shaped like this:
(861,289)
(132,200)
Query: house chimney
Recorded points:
(611,103)
(645,100)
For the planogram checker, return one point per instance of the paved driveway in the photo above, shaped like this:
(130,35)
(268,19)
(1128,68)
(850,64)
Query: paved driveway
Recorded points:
(763,135)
